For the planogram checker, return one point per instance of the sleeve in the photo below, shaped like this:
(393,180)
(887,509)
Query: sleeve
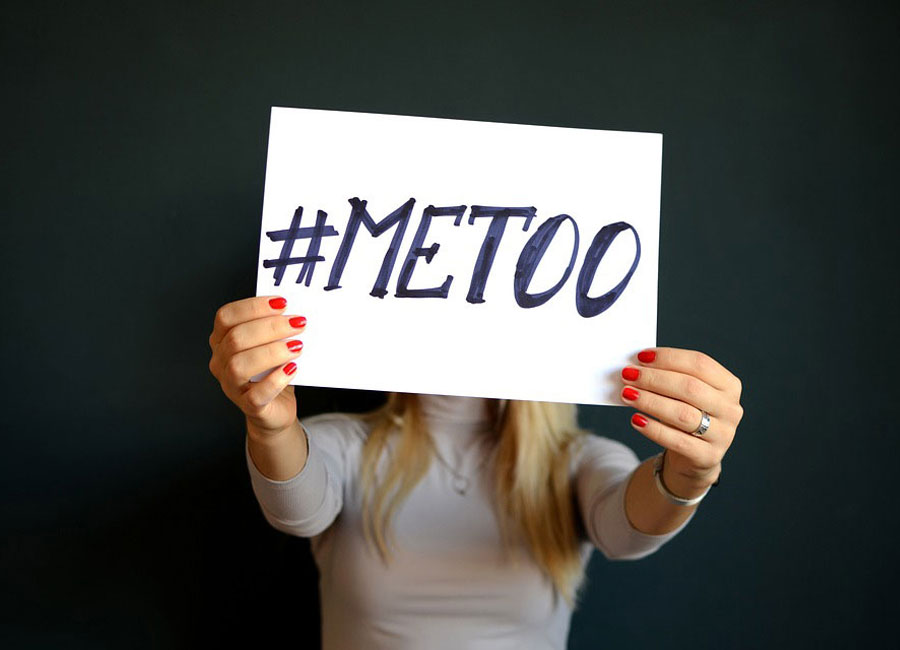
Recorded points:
(307,503)
(603,469)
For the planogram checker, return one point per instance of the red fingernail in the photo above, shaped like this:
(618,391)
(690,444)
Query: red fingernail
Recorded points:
(647,356)
(631,373)
(298,321)
(290,368)
(294,346)
(639,420)
(630,393)
(278,303)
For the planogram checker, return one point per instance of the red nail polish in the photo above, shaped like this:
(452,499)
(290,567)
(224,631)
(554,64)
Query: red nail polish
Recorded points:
(295,346)
(630,393)
(278,303)
(298,321)
(647,356)
(631,373)
(639,420)
(290,368)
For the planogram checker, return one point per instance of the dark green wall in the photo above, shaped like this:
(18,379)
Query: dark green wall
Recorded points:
(134,144)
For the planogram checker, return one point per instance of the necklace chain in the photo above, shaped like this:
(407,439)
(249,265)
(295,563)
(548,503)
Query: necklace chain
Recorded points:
(460,482)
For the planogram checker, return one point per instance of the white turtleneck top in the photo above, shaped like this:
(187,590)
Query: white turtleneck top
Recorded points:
(448,585)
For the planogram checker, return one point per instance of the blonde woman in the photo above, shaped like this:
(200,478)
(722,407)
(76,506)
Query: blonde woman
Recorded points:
(457,522)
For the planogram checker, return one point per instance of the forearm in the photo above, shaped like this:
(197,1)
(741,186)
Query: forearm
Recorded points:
(649,510)
(279,456)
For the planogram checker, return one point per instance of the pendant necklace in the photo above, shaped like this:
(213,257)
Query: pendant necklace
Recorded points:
(460,483)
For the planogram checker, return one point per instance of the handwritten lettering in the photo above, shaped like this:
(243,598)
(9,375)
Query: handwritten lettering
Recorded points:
(292,234)
(529,259)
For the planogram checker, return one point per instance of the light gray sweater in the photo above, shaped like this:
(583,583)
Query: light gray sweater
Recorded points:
(448,585)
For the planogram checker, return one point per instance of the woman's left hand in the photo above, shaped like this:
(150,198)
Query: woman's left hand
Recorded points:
(673,386)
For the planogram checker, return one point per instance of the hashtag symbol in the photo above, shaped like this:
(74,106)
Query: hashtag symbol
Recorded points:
(292,234)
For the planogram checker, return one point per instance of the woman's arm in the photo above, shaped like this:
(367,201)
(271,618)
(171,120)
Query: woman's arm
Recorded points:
(297,483)
(315,469)
(648,510)
(278,456)
(605,470)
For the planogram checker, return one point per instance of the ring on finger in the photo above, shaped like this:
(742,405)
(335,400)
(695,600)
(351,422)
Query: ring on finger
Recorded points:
(703,427)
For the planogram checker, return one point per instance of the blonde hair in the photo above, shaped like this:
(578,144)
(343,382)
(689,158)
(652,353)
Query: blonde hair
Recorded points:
(534,443)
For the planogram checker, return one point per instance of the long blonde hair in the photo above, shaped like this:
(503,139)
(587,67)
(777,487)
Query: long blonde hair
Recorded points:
(534,443)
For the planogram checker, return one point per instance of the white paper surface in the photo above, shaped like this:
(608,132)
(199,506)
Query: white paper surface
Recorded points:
(320,160)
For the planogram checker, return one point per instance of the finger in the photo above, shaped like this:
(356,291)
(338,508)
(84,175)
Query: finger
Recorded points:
(239,311)
(685,444)
(249,363)
(690,362)
(675,413)
(685,388)
(251,334)
(262,392)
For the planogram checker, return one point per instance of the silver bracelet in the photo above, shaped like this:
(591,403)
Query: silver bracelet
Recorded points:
(657,474)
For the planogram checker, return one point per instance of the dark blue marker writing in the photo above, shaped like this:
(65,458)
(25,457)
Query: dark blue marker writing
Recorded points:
(359,215)
(531,256)
(586,306)
(499,217)
(416,250)
(526,266)
(292,234)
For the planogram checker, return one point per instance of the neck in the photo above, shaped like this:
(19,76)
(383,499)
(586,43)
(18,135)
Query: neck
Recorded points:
(454,409)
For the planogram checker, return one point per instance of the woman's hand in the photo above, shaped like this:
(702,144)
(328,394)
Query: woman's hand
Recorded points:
(247,340)
(674,386)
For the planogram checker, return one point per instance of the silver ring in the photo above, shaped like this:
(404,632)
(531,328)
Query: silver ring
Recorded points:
(704,425)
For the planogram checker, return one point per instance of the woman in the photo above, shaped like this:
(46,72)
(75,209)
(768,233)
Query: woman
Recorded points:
(487,546)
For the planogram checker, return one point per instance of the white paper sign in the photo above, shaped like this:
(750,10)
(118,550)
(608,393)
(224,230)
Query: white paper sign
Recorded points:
(462,258)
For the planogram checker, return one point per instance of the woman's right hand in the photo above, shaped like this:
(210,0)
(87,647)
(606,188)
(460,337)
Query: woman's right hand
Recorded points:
(247,340)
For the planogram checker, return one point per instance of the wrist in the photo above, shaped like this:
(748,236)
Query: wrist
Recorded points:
(278,455)
(268,436)
(688,487)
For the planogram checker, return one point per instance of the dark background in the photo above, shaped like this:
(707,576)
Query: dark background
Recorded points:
(133,165)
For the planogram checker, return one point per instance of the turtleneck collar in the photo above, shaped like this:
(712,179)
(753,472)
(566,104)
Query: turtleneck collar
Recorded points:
(453,409)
